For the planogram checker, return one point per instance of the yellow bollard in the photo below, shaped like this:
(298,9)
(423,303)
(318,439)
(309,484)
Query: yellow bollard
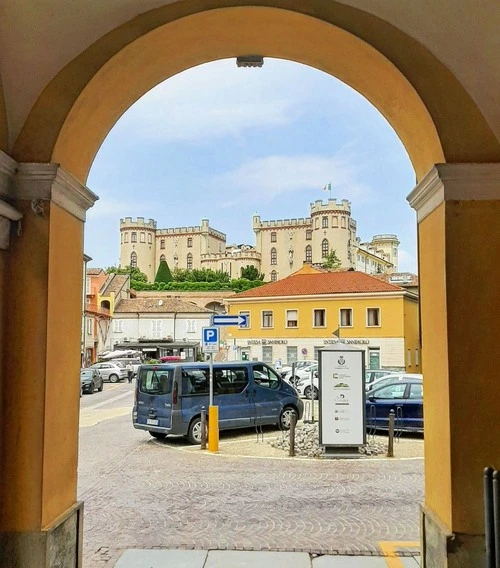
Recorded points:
(213,428)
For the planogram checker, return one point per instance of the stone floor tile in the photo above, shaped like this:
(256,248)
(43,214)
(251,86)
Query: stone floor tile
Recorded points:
(349,562)
(162,559)
(239,559)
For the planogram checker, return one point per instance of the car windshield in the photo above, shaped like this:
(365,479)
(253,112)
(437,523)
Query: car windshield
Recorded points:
(86,373)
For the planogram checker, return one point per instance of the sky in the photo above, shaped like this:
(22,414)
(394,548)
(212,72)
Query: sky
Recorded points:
(225,143)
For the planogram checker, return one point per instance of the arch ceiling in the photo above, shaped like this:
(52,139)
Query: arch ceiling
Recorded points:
(435,117)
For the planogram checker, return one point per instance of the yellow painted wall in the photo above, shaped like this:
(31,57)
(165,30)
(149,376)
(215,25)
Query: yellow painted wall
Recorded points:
(391,310)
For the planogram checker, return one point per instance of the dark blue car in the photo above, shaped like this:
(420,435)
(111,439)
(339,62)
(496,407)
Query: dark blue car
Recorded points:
(405,397)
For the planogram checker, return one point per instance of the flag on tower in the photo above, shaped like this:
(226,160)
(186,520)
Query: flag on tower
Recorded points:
(328,187)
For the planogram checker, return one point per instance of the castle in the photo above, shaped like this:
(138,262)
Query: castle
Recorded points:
(281,248)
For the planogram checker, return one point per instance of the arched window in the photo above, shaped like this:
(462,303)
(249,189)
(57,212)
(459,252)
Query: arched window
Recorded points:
(133,238)
(143,237)
(309,253)
(324,222)
(150,238)
(274,276)
(133,259)
(125,237)
(189,263)
(190,242)
(273,237)
(162,257)
(324,248)
(162,244)
(274,257)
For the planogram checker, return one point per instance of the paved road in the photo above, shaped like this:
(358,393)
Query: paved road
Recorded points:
(140,493)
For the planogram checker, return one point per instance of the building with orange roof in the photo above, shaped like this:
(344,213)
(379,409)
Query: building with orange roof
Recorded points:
(293,318)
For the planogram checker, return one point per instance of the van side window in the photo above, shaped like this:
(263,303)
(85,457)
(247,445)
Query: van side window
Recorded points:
(155,381)
(195,381)
(265,377)
(231,380)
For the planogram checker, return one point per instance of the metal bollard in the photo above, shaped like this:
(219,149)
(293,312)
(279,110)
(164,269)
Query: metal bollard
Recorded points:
(203,445)
(390,445)
(293,421)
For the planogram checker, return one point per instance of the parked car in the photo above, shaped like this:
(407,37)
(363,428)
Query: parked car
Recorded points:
(387,379)
(303,372)
(90,380)
(287,369)
(111,372)
(372,375)
(404,397)
(129,363)
(303,386)
(169,397)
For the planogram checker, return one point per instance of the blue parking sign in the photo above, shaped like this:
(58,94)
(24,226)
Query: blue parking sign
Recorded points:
(210,339)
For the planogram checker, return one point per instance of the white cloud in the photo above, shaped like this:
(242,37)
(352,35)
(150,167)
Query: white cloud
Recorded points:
(264,179)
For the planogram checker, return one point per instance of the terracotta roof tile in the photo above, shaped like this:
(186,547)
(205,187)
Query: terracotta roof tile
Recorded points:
(342,282)
(153,305)
(94,271)
(115,284)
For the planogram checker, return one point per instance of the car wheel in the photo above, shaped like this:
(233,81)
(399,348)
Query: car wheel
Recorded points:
(311,393)
(91,388)
(113,378)
(286,417)
(194,433)
(101,387)
(158,435)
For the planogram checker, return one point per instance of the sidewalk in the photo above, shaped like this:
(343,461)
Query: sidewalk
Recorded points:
(241,559)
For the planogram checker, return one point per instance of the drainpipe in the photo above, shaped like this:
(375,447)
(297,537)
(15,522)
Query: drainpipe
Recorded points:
(175,318)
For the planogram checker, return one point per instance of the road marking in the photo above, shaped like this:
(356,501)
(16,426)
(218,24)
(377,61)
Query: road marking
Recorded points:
(388,549)
(104,402)
(91,419)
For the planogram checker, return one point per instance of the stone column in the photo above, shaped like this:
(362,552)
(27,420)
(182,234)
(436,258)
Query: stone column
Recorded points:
(458,210)
(40,519)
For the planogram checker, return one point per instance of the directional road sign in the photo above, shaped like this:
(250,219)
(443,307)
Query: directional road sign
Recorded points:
(210,339)
(239,320)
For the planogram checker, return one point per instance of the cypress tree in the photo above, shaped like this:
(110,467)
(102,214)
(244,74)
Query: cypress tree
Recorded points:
(163,274)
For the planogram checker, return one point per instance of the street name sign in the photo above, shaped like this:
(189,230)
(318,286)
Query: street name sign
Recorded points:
(238,320)
(210,339)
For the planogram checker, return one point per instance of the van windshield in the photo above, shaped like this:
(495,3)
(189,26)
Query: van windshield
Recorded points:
(156,381)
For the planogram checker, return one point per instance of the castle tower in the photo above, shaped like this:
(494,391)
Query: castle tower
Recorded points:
(138,244)
(388,245)
(333,229)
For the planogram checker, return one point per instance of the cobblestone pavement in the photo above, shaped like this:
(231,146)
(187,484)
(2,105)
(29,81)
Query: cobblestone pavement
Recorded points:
(141,493)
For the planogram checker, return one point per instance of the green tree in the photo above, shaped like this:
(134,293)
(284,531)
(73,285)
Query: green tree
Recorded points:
(332,261)
(251,273)
(163,274)
(133,271)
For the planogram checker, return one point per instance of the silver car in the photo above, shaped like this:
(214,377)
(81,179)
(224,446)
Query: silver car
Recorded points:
(110,371)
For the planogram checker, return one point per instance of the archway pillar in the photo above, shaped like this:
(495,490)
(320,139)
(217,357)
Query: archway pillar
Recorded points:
(458,210)
(40,518)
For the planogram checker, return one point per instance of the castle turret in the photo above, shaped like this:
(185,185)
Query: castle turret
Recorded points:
(137,245)
(388,246)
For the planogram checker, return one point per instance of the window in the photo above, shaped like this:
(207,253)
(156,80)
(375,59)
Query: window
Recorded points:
(150,238)
(291,355)
(162,244)
(190,242)
(319,318)
(417,359)
(346,317)
(342,222)
(273,237)
(156,382)
(416,391)
(394,391)
(133,260)
(231,380)
(118,326)
(309,253)
(247,326)
(309,235)
(324,248)
(373,317)
(133,238)
(316,223)
(264,376)
(88,288)
(292,318)
(324,222)
(162,257)
(89,326)
(267,354)
(189,261)
(267,319)
(274,276)
(335,221)
(156,329)
(143,237)
(191,326)
(125,237)
(274,257)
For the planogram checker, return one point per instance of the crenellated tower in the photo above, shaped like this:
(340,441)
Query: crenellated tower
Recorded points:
(138,245)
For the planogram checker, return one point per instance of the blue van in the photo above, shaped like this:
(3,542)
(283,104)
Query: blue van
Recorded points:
(169,397)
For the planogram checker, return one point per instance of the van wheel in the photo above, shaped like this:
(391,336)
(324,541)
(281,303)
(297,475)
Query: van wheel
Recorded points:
(113,378)
(311,394)
(286,417)
(158,435)
(194,433)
